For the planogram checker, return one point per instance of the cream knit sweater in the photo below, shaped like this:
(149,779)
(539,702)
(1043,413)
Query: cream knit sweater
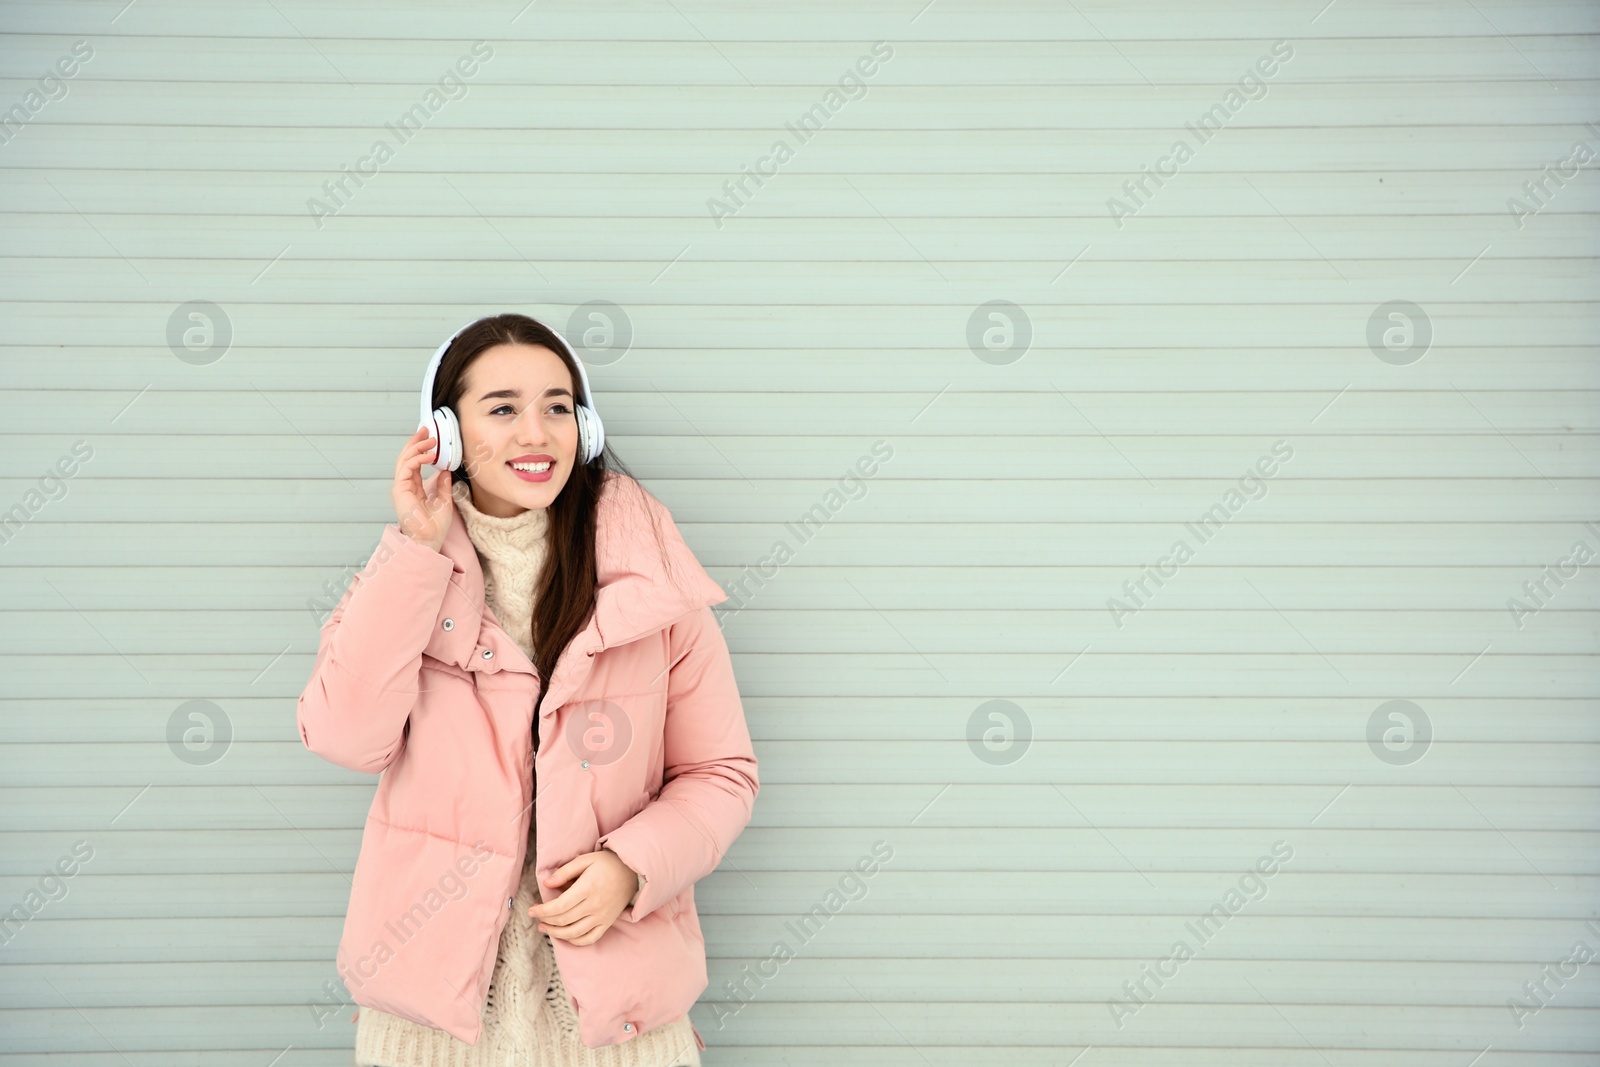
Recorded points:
(529,1021)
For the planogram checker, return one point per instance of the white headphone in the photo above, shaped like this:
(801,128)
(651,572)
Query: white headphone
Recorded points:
(443,426)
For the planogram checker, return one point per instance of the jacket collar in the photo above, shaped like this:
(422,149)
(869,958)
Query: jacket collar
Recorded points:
(639,593)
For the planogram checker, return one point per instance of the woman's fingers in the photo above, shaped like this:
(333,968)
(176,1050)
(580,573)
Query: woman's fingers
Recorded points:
(416,454)
(564,907)
(406,463)
(572,931)
(420,447)
(419,511)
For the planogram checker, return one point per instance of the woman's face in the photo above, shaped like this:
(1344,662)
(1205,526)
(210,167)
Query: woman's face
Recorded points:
(517,407)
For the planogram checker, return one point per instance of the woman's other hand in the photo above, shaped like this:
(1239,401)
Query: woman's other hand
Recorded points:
(586,909)
(421,517)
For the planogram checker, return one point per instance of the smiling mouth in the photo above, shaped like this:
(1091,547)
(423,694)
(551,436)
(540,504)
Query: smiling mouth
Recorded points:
(540,471)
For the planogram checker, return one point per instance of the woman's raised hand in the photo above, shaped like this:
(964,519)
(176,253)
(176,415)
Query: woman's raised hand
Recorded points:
(423,518)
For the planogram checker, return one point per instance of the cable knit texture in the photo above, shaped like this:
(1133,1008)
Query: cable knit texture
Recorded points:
(528,1021)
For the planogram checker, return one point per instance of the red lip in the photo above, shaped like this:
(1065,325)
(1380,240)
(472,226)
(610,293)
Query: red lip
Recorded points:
(533,476)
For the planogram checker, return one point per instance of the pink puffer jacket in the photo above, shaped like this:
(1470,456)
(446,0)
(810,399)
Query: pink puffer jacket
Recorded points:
(643,749)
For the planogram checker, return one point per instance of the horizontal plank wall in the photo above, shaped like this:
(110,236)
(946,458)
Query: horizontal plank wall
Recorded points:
(1152,448)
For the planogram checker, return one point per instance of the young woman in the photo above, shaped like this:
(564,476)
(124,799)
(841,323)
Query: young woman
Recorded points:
(531,661)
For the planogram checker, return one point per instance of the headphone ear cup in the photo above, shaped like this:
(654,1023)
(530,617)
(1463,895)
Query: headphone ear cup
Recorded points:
(591,435)
(448,431)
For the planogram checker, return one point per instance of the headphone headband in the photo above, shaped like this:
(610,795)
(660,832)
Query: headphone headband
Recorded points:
(444,427)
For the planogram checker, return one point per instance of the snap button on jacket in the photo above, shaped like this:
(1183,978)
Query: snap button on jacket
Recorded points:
(643,749)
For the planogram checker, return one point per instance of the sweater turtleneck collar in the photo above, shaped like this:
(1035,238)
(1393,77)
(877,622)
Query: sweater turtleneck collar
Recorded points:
(503,540)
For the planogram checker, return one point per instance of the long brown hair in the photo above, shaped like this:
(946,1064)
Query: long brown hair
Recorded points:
(566,585)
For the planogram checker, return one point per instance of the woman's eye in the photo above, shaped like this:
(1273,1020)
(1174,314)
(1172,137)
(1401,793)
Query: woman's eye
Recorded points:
(559,409)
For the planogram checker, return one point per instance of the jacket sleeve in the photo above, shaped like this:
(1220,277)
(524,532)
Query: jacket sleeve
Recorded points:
(353,712)
(710,775)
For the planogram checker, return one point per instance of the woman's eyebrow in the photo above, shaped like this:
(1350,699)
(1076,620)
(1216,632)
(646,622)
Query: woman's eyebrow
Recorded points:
(516,394)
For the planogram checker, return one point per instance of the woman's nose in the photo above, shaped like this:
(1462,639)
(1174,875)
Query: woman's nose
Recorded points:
(531,428)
